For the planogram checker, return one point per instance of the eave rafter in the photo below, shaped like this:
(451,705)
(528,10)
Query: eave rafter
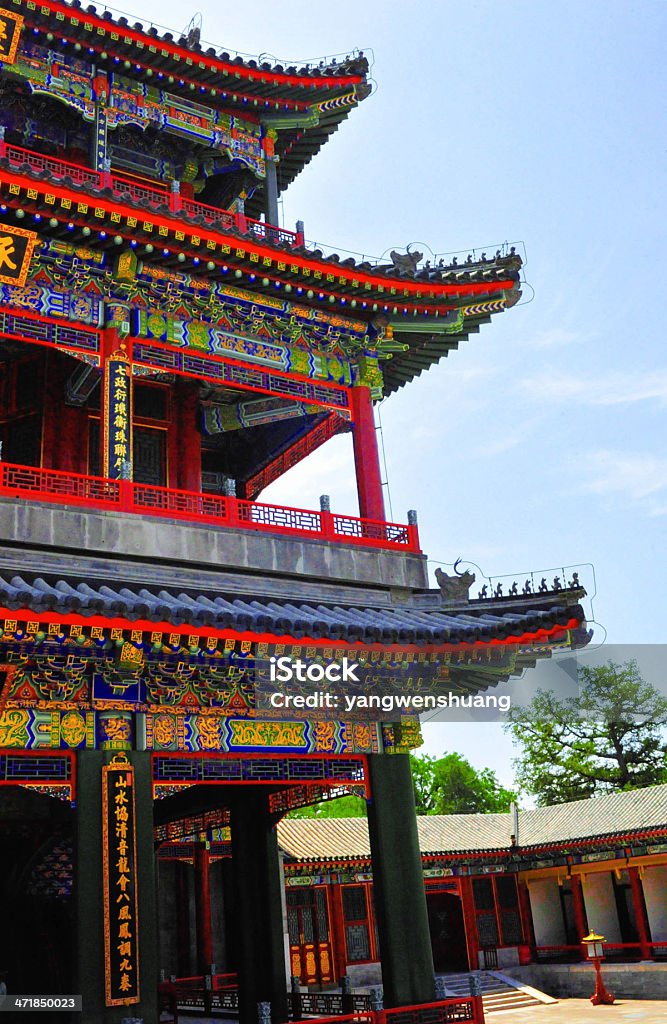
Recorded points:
(103,33)
(263,265)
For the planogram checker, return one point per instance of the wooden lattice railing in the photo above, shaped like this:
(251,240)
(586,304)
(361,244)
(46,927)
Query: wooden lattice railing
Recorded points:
(146,194)
(32,483)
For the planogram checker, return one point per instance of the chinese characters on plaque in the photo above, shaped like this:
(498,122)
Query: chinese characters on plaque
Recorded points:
(10,30)
(121,936)
(16,248)
(117,443)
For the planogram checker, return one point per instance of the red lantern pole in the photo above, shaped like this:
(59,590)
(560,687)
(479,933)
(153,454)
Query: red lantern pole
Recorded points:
(601,997)
(594,948)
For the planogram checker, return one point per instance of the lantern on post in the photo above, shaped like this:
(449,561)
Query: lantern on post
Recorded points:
(594,947)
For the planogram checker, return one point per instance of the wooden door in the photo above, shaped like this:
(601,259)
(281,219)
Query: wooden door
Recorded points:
(309,935)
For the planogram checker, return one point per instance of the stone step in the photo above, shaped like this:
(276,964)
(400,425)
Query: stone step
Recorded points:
(498,994)
(509,1000)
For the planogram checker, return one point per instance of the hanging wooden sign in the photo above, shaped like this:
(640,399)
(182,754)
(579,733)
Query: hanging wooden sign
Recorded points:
(10,30)
(121,932)
(16,248)
(117,446)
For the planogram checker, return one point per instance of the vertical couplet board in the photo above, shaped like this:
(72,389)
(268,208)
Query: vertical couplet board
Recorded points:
(121,924)
(117,415)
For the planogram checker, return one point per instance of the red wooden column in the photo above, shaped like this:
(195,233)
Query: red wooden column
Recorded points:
(65,427)
(182,920)
(338,932)
(469,921)
(53,402)
(203,909)
(526,919)
(640,914)
(187,442)
(366,458)
(579,910)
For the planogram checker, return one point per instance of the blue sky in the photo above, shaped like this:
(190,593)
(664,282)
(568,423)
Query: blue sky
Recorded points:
(541,442)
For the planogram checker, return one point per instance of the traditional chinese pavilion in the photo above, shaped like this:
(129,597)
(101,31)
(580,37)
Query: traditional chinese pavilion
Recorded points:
(166,351)
(504,891)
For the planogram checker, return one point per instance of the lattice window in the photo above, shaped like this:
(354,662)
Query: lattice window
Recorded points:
(254,378)
(358,943)
(508,897)
(510,922)
(48,332)
(482,890)
(260,769)
(293,926)
(487,929)
(354,903)
(322,915)
(355,915)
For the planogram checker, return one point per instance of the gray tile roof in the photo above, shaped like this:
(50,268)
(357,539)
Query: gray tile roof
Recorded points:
(402,623)
(615,814)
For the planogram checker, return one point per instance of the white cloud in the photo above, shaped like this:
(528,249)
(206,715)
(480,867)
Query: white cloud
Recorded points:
(554,337)
(501,444)
(328,470)
(611,388)
(638,477)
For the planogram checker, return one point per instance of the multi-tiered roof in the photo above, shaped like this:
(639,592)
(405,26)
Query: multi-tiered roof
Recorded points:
(168,350)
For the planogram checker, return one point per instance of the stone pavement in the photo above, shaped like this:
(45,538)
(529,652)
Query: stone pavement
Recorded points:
(581,1011)
(566,1011)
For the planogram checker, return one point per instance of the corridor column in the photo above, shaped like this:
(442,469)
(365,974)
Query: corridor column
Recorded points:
(203,907)
(398,883)
(185,439)
(579,911)
(259,930)
(184,965)
(640,914)
(271,182)
(366,458)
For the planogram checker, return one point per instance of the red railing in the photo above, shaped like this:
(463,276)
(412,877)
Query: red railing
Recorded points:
(215,993)
(205,994)
(456,1010)
(612,950)
(444,1011)
(31,483)
(147,195)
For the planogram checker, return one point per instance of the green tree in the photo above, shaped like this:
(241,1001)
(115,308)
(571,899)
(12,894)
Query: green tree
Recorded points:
(450,785)
(443,785)
(608,738)
(342,807)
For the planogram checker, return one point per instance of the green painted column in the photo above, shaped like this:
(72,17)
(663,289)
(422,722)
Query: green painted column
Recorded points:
(258,940)
(398,883)
(88,886)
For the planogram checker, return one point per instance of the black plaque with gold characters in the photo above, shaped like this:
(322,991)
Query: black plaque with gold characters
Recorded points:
(117,448)
(16,248)
(121,934)
(10,30)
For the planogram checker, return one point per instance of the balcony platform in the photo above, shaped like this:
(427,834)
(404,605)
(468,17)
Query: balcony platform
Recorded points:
(193,547)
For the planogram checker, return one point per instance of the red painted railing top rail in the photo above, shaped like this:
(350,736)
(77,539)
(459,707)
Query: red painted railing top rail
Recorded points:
(456,1010)
(32,483)
(218,981)
(363,1017)
(143,193)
